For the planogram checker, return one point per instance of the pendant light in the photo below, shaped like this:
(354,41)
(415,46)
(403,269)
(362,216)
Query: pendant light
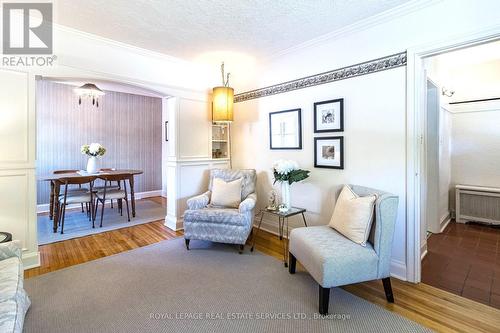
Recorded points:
(222,101)
(89,90)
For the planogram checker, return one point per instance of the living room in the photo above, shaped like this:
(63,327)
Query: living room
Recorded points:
(291,164)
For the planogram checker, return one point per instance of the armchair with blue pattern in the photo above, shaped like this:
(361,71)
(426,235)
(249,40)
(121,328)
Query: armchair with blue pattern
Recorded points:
(219,224)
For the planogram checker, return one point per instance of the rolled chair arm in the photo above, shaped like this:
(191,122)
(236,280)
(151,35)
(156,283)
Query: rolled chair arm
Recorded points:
(9,250)
(199,201)
(249,203)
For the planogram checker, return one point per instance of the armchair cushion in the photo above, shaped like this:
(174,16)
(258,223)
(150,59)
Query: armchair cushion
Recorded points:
(229,216)
(353,215)
(332,259)
(199,201)
(226,194)
(9,250)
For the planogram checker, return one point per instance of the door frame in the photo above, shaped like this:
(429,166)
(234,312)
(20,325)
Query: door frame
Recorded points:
(415,135)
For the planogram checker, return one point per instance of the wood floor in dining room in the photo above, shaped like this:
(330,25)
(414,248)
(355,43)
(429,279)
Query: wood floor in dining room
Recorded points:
(437,309)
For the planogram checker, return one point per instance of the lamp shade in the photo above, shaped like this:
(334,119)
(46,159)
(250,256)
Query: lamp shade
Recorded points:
(222,104)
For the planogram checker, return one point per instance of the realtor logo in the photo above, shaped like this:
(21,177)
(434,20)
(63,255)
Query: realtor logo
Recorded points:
(27,28)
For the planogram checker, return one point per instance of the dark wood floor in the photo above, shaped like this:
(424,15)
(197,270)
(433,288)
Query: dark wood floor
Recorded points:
(434,308)
(465,260)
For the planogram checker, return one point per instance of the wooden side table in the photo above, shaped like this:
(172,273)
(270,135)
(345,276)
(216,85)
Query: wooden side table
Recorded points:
(282,218)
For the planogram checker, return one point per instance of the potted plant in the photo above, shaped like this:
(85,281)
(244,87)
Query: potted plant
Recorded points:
(93,151)
(287,172)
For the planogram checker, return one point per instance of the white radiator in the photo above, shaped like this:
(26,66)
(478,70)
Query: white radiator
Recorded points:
(477,203)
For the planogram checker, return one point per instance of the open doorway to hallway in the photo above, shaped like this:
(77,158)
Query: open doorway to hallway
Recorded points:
(460,241)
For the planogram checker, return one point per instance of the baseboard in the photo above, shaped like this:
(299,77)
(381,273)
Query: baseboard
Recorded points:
(31,260)
(444,222)
(44,208)
(398,268)
(174,223)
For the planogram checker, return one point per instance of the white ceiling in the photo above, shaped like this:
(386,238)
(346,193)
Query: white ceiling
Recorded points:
(190,28)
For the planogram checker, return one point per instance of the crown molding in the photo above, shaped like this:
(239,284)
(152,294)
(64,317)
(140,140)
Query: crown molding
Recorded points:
(128,47)
(366,23)
(368,67)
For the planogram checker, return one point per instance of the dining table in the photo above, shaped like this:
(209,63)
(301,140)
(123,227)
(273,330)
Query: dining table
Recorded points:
(56,180)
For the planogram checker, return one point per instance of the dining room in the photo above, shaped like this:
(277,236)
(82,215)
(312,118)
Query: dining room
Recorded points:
(98,157)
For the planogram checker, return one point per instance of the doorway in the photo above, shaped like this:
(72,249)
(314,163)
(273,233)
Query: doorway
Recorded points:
(459,184)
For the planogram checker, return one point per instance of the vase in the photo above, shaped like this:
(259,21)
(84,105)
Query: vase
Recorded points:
(285,194)
(92,164)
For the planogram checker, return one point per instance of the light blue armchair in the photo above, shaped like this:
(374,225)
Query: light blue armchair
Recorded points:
(219,224)
(333,260)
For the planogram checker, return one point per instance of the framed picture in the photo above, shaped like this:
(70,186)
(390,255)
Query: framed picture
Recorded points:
(329,152)
(285,129)
(329,116)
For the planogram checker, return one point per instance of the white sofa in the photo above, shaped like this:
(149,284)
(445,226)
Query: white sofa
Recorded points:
(14,302)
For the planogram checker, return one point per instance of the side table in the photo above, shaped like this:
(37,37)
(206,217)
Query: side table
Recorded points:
(282,218)
(5,237)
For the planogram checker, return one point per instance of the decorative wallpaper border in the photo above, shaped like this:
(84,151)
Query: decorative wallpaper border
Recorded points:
(368,67)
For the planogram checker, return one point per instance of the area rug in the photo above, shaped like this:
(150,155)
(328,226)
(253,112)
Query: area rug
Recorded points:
(211,288)
(76,223)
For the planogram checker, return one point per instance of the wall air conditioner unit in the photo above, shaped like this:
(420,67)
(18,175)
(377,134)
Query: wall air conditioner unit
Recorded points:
(477,203)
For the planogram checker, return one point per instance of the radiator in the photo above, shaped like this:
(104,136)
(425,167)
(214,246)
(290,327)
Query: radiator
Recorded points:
(477,203)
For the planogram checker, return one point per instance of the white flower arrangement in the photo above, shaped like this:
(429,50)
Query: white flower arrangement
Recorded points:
(288,171)
(94,149)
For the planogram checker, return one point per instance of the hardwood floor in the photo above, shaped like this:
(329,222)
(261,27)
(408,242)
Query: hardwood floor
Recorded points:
(434,308)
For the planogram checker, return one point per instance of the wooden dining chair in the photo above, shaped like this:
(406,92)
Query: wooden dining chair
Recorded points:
(73,190)
(76,197)
(112,194)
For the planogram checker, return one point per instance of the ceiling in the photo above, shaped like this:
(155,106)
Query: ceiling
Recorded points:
(191,28)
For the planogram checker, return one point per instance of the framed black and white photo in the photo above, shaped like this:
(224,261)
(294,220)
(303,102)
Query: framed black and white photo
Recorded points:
(329,116)
(285,129)
(329,152)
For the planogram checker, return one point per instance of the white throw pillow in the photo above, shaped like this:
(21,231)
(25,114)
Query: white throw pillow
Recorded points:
(353,215)
(226,194)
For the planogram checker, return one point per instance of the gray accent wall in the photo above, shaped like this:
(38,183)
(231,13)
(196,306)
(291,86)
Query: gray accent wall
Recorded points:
(129,126)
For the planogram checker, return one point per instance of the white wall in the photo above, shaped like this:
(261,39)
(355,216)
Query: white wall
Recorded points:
(476,148)
(375,105)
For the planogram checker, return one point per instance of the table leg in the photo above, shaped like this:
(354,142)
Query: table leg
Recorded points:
(282,220)
(132,194)
(51,207)
(258,229)
(287,244)
(280,229)
(304,218)
(57,189)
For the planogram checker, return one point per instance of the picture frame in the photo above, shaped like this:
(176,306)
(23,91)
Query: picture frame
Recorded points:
(329,116)
(329,152)
(285,129)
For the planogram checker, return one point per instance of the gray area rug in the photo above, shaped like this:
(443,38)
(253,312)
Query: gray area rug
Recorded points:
(77,224)
(211,288)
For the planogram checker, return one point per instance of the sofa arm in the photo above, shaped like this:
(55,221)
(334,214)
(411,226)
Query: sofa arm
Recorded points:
(9,250)
(249,203)
(199,201)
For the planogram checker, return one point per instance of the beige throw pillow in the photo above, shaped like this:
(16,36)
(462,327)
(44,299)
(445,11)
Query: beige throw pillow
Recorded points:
(353,215)
(226,194)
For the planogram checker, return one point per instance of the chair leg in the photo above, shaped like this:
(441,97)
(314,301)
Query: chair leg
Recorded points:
(388,289)
(242,248)
(102,212)
(93,212)
(128,212)
(187,243)
(292,264)
(63,217)
(324,299)
(82,208)
(111,203)
(120,206)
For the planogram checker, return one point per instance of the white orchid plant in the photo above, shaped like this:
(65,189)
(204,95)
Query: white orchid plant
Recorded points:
(94,149)
(288,171)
